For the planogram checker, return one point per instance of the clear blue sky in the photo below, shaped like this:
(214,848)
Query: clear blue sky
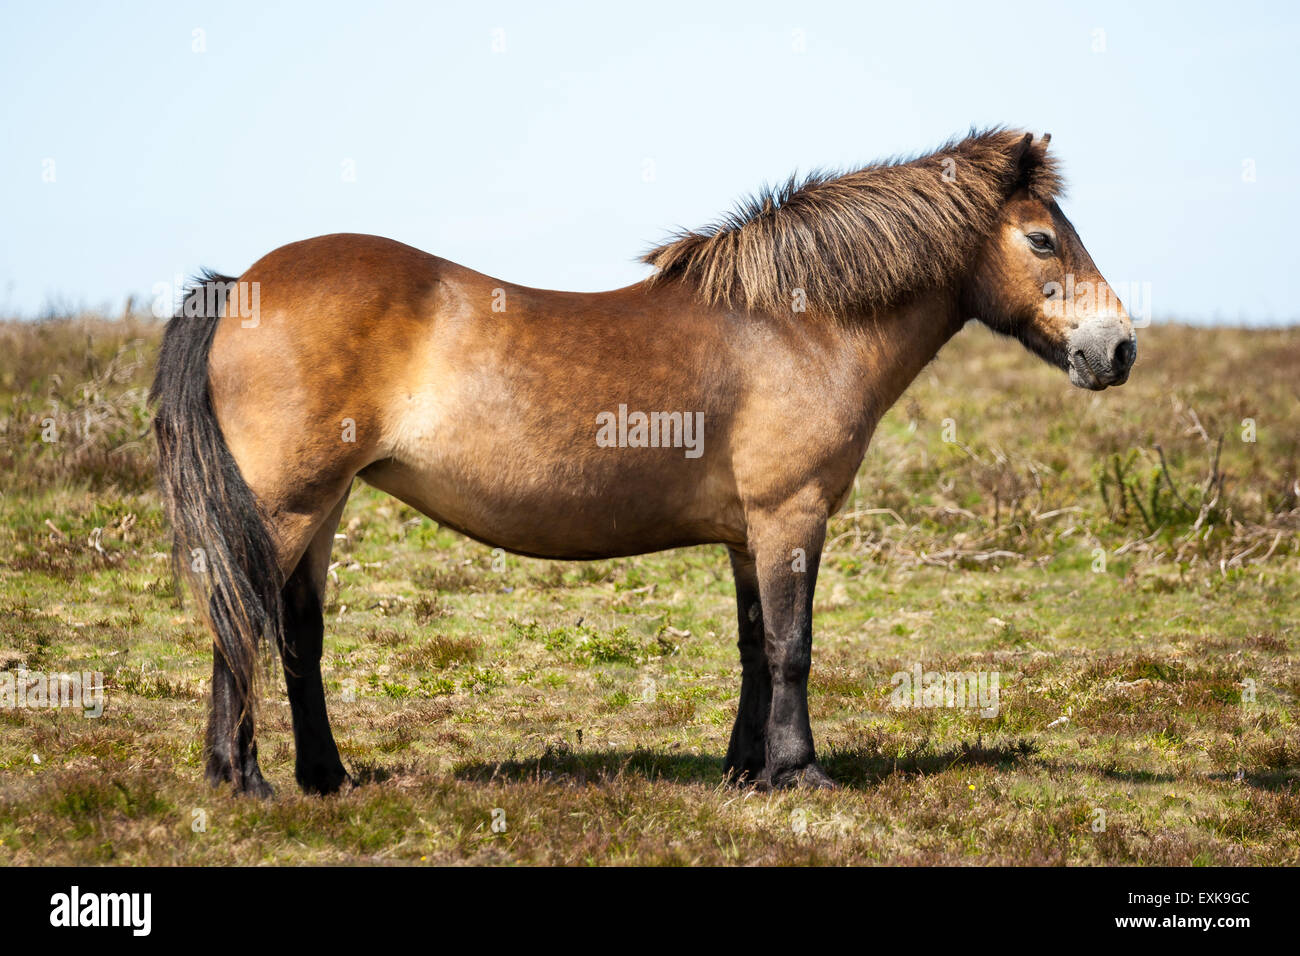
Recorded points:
(555,161)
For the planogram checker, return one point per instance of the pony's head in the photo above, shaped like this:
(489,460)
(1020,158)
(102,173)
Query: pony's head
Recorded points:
(1033,279)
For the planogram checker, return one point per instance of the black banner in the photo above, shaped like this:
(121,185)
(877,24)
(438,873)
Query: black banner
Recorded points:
(330,905)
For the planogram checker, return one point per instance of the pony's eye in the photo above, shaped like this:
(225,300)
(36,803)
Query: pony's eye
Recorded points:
(1041,241)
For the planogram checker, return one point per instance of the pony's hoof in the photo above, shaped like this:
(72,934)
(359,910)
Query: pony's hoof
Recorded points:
(249,785)
(809,777)
(258,789)
(325,782)
(254,787)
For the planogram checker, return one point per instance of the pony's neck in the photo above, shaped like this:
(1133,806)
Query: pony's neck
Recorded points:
(893,347)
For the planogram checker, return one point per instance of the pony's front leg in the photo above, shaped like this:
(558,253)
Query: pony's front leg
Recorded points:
(787,548)
(747,752)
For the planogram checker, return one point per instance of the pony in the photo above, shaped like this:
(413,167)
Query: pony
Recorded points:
(555,424)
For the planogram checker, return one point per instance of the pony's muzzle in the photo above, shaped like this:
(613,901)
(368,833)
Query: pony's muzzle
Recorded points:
(1102,354)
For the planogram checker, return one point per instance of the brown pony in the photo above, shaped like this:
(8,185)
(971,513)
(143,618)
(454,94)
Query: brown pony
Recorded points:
(729,398)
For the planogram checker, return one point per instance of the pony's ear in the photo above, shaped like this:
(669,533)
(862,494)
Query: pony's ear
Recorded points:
(1022,159)
(1034,169)
(1022,147)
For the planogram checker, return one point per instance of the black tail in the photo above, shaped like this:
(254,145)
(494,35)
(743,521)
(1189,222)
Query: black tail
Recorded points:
(220,544)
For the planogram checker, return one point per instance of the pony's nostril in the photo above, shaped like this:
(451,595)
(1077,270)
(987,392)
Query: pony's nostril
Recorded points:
(1125,352)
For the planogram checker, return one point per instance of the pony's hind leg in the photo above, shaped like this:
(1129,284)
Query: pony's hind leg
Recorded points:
(232,752)
(303,541)
(318,768)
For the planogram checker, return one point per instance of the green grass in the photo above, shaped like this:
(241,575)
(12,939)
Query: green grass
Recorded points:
(590,704)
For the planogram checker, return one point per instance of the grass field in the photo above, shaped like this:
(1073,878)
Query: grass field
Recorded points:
(1127,561)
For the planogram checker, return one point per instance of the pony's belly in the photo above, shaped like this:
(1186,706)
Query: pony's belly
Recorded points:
(579,520)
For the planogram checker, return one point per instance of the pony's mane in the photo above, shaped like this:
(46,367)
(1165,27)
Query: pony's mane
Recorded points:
(863,240)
